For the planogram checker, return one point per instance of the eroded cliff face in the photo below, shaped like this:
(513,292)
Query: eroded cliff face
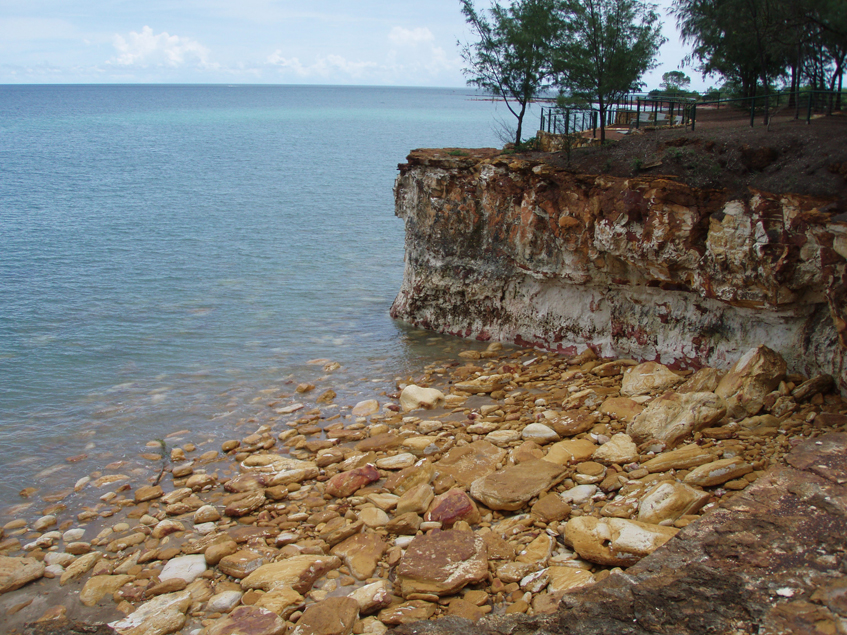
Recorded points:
(522,251)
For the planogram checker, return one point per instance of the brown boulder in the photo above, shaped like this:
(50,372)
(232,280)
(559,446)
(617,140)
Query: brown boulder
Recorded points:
(513,487)
(442,562)
(347,483)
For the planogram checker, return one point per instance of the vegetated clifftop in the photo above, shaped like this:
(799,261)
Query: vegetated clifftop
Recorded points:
(519,249)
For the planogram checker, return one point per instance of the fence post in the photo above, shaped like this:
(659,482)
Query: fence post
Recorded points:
(567,121)
(752,111)
(809,109)
(594,125)
(637,113)
(693,115)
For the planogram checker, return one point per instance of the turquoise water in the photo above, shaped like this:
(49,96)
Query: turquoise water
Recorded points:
(171,257)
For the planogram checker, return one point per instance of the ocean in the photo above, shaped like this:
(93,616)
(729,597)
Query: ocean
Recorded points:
(173,257)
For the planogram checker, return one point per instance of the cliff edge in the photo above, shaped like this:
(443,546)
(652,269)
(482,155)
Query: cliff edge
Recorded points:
(523,250)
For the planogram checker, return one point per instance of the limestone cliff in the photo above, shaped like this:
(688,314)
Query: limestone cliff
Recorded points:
(523,251)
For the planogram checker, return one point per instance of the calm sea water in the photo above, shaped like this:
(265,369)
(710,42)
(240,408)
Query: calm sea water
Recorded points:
(171,257)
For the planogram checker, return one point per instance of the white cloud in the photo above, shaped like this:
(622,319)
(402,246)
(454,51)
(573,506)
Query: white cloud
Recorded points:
(323,67)
(146,48)
(410,37)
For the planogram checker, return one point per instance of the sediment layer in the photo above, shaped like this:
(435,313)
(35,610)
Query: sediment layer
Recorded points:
(518,250)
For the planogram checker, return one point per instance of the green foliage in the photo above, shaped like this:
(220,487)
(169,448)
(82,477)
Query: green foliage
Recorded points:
(607,46)
(457,153)
(675,81)
(636,164)
(511,58)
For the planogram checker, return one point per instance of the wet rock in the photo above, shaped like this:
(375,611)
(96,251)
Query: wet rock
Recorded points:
(442,563)
(516,571)
(361,554)
(414,397)
(332,616)
(297,572)
(77,568)
(717,472)
(248,620)
(167,527)
(16,572)
(147,493)
(451,507)
(187,568)
(538,551)
(579,494)
(503,437)
(619,449)
(669,500)
(161,615)
(571,451)
(814,386)
(671,418)
(99,586)
(372,597)
(216,552)
(206,514)
(749,381)
(615,542)
(469,462)
(347,483)
(646,378)
(513,487)
(683,458)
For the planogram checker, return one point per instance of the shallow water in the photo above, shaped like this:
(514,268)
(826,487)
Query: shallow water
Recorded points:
(171,257)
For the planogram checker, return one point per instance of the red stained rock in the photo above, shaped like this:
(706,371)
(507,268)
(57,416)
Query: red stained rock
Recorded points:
(451,507)
(347,483)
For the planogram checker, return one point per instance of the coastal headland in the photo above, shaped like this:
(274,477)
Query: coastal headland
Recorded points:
(658,446)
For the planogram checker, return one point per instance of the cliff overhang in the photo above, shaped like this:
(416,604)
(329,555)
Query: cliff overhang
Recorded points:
(516,249)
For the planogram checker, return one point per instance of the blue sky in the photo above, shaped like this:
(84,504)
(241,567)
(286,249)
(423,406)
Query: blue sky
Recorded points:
(364,42)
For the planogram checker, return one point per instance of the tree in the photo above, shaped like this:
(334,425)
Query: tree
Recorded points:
(608,45)
(511,58)
(675,81)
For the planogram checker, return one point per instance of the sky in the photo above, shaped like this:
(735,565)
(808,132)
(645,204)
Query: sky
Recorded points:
(343,42)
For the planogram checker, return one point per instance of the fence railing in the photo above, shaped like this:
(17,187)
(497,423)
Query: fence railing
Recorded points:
(636,111)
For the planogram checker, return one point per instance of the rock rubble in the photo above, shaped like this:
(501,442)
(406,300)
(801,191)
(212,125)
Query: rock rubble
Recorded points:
(527,477)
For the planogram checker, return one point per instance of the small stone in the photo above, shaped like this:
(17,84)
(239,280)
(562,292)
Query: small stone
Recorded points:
(470,462)
(206,514)
(224,601)
(99,586)
(396,462)
(159,616)
(372,597)
(668,500)
(551,508)
(416,500)
(539,433)
(148,493)
(451,507)
(373,517)
(570,451)
(282,601)
(414,397)
(563,579)
(619,449)
(241,564)
(366,408)
(407,612)
(187,568)
(672,417)
(347,483)
(361,554)
(683,458)
(16,572)
(717,472)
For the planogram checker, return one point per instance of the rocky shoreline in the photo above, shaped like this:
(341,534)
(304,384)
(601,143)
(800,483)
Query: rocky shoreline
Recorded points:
(495,484)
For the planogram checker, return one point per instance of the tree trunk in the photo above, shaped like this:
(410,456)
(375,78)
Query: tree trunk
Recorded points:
(520,124)
(602,120)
